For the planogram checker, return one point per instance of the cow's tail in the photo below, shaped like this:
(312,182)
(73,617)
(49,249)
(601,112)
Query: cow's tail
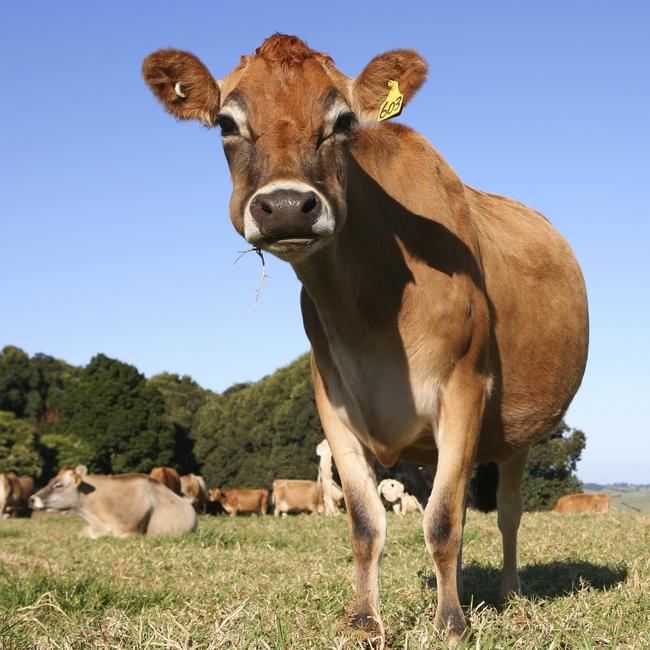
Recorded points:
(484,487)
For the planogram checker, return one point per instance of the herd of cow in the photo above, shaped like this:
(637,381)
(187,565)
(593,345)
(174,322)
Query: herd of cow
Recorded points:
(166,502)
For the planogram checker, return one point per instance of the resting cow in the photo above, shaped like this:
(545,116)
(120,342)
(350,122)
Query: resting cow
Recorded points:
(193,489)
(14,493)
(169,477)
(116,505)
(393,491)
(448,325)
(570,503)
(240,500)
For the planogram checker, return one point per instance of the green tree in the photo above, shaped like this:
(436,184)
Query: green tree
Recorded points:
(254,433)
(19,448)
(60,449)
(551,467)
(16,380)
(119,415)
(30,388)
(183,397)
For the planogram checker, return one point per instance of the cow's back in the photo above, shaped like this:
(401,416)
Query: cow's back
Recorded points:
(245,500)
(171,513)
(539,322)
(574,503)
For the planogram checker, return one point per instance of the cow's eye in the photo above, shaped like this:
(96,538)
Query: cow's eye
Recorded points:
(345,123)
(57,486)
(227,125)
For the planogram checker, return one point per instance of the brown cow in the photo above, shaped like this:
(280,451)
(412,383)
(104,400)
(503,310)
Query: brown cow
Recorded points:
(193,489)
(571,503)
(296,495)
(237,500)
(448,325)
(14,492)
(169,477)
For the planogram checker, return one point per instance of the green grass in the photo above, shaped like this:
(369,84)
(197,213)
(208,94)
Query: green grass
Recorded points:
(284,583)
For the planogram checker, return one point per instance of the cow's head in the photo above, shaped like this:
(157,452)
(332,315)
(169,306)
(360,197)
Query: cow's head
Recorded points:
(62,492)
(215,494)
(390,489)
(287,117)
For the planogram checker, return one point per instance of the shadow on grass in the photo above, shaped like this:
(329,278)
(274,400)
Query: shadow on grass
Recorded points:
(546,581)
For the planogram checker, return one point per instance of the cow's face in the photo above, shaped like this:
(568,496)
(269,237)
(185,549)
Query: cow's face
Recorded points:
(62,492)
(287,119)
(214,494)
(390,489)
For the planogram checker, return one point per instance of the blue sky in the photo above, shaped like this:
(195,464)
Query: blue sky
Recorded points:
(115,234)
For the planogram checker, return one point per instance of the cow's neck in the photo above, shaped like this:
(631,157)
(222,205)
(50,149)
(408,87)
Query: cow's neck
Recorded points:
(407,221)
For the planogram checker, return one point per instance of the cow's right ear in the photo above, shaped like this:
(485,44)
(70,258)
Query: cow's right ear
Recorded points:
(183,84)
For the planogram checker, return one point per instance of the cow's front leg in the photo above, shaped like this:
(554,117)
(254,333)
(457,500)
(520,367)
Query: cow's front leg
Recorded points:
(458,426)
(366,513)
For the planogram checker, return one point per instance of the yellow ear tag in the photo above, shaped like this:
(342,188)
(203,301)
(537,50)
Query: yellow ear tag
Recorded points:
(77,480)
(393,104)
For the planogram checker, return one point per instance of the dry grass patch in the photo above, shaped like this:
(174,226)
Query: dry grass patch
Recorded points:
(284,583)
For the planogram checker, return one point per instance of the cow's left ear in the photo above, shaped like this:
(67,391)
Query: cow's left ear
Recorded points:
(183,84)
(370,88)
(79,472)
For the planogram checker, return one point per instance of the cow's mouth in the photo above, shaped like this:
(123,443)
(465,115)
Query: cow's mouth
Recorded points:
(290,241)
(286,247)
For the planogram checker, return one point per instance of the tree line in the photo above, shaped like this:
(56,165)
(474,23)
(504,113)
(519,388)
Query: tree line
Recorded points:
(111,418)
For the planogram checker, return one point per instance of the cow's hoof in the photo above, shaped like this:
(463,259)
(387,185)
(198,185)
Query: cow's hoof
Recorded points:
(452,624)
(367,623)
(509,587)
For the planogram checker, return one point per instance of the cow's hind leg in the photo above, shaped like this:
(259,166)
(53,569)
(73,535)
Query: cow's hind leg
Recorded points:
(509,504)
(365,511)
(461,412)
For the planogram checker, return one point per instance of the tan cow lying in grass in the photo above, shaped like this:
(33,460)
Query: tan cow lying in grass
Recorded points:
(116,505)
(394,492)
(241,500)
(14,492)
(571,503)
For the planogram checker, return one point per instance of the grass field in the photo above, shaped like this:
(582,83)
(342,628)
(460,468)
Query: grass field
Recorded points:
(283,583)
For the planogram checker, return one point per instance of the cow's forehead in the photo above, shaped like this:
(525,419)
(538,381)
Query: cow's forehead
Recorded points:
(270,91)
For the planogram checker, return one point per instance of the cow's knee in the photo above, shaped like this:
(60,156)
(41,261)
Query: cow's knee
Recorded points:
(442,531)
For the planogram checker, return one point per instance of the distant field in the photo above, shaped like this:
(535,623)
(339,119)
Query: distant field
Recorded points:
(270,583)
(635,499)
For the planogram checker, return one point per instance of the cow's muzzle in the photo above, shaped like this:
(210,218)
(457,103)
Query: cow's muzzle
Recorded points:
(35,503)
(287,218)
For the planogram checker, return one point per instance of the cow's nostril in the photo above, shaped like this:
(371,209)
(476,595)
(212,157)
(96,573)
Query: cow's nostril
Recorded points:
(309,204)
(266,207)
